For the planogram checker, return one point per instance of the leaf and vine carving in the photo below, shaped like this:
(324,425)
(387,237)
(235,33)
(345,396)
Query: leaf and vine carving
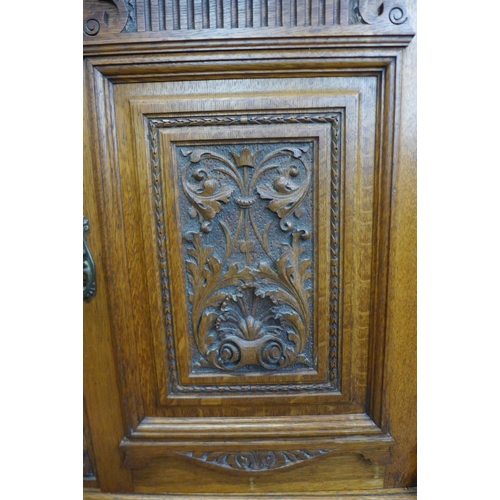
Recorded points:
(248,314)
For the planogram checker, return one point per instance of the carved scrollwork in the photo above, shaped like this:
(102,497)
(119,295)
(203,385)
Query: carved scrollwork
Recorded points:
(91,27)
(255,460)
(370,11)
(397,15)
(110,16)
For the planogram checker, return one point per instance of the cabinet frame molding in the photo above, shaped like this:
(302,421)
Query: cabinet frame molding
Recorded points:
(106,64)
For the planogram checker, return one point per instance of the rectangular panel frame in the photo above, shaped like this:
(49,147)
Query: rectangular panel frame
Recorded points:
(148,114)
(322,234)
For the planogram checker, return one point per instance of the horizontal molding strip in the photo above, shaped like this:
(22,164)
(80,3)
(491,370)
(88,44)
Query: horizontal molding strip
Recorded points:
(382,494)
(236,428)
(330,435)
(130,47)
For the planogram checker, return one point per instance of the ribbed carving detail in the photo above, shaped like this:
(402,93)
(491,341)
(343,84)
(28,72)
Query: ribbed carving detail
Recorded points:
(235,14)
(105,18)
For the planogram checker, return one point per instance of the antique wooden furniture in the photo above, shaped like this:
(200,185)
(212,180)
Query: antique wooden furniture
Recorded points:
(250,197)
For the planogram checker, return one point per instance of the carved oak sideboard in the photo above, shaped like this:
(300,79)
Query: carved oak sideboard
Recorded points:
(249,192)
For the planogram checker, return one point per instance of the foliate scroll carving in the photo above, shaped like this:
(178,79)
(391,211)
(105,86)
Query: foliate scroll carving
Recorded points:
(255,460)
(249,292)
(247,278)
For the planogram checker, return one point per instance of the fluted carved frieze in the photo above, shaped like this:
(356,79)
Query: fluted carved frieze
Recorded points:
(103,18)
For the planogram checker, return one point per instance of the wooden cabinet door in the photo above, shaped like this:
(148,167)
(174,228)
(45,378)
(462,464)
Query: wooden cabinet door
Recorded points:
(241,201)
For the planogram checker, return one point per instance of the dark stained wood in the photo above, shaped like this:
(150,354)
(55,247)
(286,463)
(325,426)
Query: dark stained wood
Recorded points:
(183,396)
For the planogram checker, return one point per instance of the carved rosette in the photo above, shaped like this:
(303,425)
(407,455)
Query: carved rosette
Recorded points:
(254,460)
(250,305)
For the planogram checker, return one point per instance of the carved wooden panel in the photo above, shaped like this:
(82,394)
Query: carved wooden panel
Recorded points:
(251,228)
(241,224)
(246,223)
(245,175)
(250,297)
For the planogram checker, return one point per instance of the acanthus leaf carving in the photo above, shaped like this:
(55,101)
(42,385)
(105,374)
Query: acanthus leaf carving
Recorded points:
(255,460)
(207,195)
(254,316)
(286,196)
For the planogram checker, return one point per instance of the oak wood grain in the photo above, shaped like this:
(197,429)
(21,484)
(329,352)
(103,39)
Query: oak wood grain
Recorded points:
(400,404)
(100,385)
(325,474)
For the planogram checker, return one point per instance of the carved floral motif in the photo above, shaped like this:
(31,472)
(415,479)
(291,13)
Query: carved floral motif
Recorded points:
(248,315)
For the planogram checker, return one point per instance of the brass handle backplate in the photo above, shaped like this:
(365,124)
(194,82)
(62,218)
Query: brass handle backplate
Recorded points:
(88,266)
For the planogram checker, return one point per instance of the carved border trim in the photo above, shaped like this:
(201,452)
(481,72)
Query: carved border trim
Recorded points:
(335,120)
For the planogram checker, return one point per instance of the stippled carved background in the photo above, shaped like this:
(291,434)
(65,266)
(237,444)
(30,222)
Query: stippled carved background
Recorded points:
(247,221)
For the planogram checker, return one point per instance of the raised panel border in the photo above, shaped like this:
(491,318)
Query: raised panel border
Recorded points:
(352,396)
(284,383)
